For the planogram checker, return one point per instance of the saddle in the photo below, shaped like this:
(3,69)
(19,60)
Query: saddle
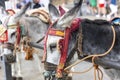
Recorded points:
(41,13)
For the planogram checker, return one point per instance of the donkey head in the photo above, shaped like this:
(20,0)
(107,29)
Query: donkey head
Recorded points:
(9,36)
(60,24)
(33,27)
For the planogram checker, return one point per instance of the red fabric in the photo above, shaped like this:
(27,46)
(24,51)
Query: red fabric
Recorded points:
(65,45)
(62,11)
(10,10)
(5,37)
(75,24)
(65,48)
(64,52)
(54,32)
(61,45)
(45,48)
(45,43)
(64,42)
(18,35)
(101,5)
(45,53)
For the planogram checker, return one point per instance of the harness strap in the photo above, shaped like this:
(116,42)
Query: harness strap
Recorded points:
(8,46)
(18,34)
(63,42)
(63,53)
(56,32)
(45,41)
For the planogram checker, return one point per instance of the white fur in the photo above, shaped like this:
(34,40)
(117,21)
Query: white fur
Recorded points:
(53,57)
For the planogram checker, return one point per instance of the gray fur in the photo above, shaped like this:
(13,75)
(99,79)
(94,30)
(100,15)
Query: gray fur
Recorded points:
(37,29)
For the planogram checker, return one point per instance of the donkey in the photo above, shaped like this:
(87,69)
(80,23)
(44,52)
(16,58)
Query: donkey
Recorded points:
(13,21)
(13,45)
(35,28)
(94,38)
(91,42)
(33,32)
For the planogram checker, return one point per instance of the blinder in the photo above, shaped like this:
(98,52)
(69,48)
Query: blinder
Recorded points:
(56,45)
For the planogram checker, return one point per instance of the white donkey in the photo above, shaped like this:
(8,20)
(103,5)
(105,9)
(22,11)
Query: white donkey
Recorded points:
(65,21)
(12,45)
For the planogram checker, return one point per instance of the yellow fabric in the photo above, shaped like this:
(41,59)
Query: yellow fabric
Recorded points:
(2,29)
(12,26)
(59,33)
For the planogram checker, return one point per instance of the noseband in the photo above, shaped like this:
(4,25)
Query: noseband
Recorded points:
(8,46)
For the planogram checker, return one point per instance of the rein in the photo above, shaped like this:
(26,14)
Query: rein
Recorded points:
(96,68)
(40,39)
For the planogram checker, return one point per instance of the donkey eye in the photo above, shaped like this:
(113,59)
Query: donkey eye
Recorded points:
(52,47)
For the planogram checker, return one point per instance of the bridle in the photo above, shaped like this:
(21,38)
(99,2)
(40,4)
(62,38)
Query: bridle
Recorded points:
(13,47)
(43,16)
(5,43)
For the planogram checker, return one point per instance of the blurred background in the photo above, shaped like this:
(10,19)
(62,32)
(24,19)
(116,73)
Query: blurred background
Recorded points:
(89,7)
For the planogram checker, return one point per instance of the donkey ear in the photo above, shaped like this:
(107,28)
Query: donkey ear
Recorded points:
(54,13)
(22,11)
(66,19)
(62,11)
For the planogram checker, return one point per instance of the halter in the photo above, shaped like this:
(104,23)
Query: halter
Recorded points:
(4,36)
(62,44)
(10,46)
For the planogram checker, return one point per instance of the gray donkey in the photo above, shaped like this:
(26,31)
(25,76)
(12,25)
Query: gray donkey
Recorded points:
(94,35)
